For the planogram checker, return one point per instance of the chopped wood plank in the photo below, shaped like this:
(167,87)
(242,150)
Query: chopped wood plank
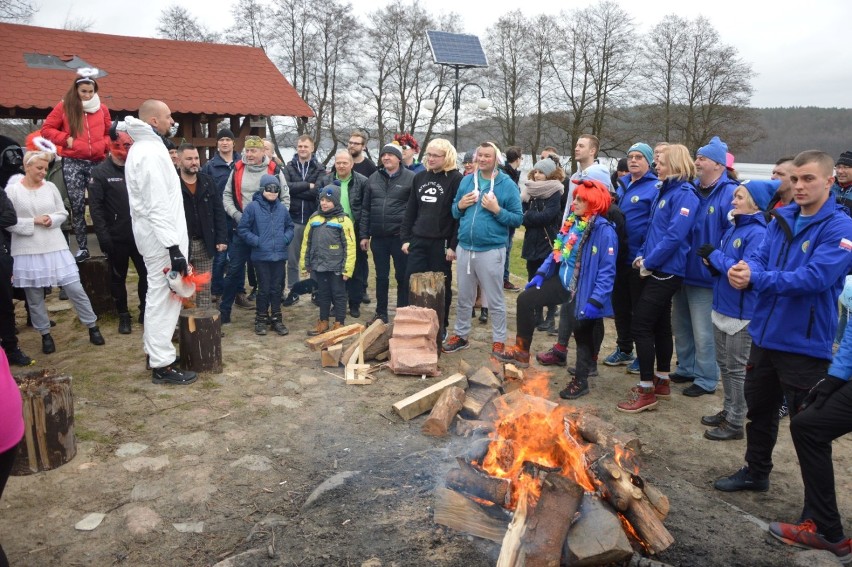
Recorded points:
(475,400)
(368,337)
(484,377)
(331,356)
(422,401)
(329,338)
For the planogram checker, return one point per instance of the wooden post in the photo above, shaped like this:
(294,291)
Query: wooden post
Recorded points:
(48,406)
(426,289)
(200,340)
(95,277)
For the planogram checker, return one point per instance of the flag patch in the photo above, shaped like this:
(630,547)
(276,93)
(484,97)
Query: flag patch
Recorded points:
(846,244)
(610,251)
(684,211)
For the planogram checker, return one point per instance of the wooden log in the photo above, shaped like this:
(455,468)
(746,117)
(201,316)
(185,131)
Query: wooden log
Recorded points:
(367,338)
(329,338)
(465,368)
(48,407)
(596,430)
(596,537)
(496,367)
(95,277)
(484,377)
(512,372)
(443,412)
(473,482)
(380,345)
(551,519)
(469,427)
(516,403)
(382,356)
(426,289)
(658,500)
(476,399)
(462,514)
(200,340)
(512,549)
(331,356)
(422,401)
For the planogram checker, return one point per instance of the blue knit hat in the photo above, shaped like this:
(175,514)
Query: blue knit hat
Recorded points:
(716,150)
(267,179)
(762,191)
(598,172)
(643,149)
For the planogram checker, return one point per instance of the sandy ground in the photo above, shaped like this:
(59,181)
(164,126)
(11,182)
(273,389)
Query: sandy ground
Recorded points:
(221,470)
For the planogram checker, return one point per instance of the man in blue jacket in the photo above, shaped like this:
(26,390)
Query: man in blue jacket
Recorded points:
(692,305)
(797,272)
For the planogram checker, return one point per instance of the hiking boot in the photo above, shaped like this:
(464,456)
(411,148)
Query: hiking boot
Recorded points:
(124,323)
(641,399)
(454,343)
(278,325)
(742,480)
(337,325)
(518,354)
(319,328)
(483,315)
(509,286)
(242,302)
(47,344)
(290,300)
(82,255)
(805,535)
(547,325)
(618,358)
(355,312)
(662,388)
(724,432)
(714,420)
(575,389)
(18,358)
(260,325)
(593,371)
(173,375)
(498,350)
(551,357)
(695,390)
(95,336)
(633,367)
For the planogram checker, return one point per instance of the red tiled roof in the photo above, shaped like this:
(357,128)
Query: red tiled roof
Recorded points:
(192,78)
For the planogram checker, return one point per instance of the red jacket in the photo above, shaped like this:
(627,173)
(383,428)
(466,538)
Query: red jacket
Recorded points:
(91,145)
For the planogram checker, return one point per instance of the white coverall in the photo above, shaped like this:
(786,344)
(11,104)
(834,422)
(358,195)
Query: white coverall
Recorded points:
(156,208)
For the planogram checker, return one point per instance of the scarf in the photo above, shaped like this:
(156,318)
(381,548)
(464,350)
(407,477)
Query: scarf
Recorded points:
(541,189)
(336,211)
(92,105)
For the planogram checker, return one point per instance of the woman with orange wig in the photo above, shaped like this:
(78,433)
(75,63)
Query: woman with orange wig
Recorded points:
(580,271)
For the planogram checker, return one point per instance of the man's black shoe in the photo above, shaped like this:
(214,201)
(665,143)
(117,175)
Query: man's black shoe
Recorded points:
(714,420)
(366,299)
(724,432)
(695,390)
(742,480)
(95,336)
(680,378)
(47,344)
(124,323)
(355,312)
(173,375)
(18,358)
(291,299)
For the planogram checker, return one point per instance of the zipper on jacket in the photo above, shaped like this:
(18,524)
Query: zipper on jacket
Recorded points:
(810,323)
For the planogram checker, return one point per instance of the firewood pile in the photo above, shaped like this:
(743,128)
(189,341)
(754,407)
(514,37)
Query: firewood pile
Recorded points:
(555,486)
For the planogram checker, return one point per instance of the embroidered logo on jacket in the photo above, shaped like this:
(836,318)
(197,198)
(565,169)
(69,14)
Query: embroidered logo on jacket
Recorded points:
(738,242)
(805,245)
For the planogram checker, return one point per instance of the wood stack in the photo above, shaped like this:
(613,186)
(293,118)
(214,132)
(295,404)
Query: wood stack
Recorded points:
(414,344)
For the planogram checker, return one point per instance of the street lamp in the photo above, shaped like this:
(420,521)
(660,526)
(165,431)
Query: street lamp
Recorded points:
(483,103)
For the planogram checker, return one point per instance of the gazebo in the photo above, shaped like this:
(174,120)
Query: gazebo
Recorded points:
(203,83)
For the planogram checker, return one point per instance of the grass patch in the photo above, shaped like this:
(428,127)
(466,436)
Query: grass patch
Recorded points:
(84,434)
(517,265)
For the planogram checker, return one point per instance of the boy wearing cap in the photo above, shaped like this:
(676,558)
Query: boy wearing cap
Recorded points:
(267,228)
(328,253)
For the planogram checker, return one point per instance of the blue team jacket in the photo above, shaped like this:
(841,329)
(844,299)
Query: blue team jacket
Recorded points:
(743,238)
(672,218)
(635,200)
(711,222)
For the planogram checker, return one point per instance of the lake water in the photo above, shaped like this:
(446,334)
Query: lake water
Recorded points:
(754,170)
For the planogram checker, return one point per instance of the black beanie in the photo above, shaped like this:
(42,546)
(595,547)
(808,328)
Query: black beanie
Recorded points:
(225,133)
(845,159)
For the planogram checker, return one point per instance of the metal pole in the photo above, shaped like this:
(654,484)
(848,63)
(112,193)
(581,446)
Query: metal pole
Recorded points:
(456,105)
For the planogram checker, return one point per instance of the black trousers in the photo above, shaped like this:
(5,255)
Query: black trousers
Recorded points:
(7,308)
(813,430)
(625,295)
(384,248)
(430,255)
(651,326)
(7,459)
(331,289)
(356,286)
(270,283)
(771,377)
(551,292)
(120,256)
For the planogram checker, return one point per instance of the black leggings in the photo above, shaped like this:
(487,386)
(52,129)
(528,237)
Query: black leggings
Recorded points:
(651,326)
(6,460)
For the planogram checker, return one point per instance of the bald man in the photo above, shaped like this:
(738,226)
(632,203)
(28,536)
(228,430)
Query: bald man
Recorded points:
(159,228)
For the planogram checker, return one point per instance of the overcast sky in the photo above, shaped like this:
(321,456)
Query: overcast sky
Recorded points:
(797,49)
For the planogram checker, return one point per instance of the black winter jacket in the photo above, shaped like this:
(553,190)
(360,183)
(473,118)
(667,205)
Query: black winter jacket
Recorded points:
(429,213)
(303,199)
(541,221)
(109,205)
(356,194)
(205,213)
(385,200)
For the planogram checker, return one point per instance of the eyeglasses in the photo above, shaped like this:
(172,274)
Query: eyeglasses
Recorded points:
(635,157)
(271,188)
(431,155)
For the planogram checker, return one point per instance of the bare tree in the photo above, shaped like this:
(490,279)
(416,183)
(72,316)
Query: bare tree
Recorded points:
(667,43)
(17,11)
(252,25)
(177,23)
(509,80)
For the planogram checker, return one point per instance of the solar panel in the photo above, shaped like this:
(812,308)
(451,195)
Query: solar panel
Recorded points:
(456,49)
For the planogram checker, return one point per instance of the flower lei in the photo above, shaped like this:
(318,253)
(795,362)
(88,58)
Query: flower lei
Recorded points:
(567,239)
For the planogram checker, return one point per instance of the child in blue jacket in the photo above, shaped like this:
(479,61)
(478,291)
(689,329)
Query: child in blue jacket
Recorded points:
(267,228)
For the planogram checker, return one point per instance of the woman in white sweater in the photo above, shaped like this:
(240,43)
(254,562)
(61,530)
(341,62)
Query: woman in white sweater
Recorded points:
(41,254)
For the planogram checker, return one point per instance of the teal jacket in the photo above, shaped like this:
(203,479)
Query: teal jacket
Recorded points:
(480,229)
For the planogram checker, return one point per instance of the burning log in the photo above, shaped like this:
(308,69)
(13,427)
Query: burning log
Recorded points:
(551,519)
(471,481)
(476,399)
(597,537)
(595,430)
(468,427)
(629,499)
(518,403)
(460,513)
(443,412)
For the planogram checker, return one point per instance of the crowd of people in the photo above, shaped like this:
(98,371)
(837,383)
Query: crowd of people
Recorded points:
(736,280)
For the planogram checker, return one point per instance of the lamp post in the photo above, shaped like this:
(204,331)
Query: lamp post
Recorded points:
(483,103)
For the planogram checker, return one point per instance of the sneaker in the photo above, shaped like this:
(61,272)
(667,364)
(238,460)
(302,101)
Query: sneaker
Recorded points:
(18,358)
(483,315)
(47,344)
(290,300)
(260,324)
(574,390)
(680,378)
(724,432)
(618,358)
(593,371)
(783,411)
(314,299)
(509,286)
(81,255)
(633,367)
(714,420)
(124,323)
(551,357)
(742,480)
(498,351)
(641,399)
(513,355)
(548,326)
(95,336)
(695,390)
(454,343)
(805,535)
(242,302)
(173,375)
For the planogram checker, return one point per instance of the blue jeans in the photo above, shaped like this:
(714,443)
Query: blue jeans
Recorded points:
(693,332)
(217,281)
(239,252)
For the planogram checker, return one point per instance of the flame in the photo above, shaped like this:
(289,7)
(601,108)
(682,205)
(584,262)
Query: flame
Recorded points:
(626,459)
(631,533)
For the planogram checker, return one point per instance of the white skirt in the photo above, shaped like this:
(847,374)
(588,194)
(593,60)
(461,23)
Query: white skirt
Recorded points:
(45,270)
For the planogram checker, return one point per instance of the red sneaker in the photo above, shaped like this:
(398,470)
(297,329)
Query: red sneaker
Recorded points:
(551,357)
(642,399)
(454,343)
(498,351)
(514,355)
(805,535)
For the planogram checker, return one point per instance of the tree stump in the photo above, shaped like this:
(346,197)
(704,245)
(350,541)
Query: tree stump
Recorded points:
(426,289)
(200,340)
(48,408)
(95,277)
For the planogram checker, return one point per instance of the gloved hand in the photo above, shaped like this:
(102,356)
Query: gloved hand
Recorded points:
(822,391)
(178,261)
(592,311)
(705,250)
(536,282)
